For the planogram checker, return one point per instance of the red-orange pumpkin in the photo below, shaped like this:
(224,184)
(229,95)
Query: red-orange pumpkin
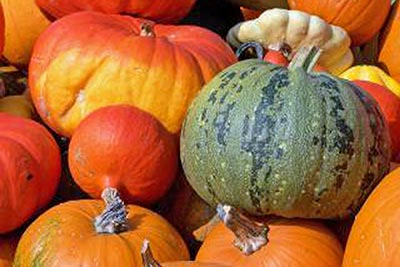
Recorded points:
(2,29)
(166,11)
(390,106)
(89,60)
(125,148)
(362,19)
(374,237)
(29,170)
(294,243)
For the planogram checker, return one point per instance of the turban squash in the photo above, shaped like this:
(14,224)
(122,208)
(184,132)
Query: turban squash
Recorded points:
(89,60)
(284,141)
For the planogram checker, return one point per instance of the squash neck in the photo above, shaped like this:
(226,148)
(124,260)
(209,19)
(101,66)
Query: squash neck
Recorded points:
(306,58)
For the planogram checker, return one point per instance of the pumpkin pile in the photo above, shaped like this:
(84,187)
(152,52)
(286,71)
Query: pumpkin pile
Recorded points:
(171,133)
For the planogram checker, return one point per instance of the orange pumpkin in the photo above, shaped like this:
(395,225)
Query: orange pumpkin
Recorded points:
(166,11)
(30,170)
(389,54)
(374,238)
(8,245)
(24,22)
(362,19)
(2,29)
(149,261)
(89,233)
(125,148)
(115,59)
(295,243)
(390,106)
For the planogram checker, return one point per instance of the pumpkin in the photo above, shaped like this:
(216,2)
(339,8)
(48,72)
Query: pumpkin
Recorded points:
(19,105)
(2,29)
(362,19)
(132,152)
(29,167)
(149,261)
(165,11)
(89,233)
(296,28)
(115,59)
(24,22)
(388,54)
(8,245)
(240,241)
(372,74)
(283,141)
(374,238)
(186,211)
(390,106)
(261,4)
(249,14)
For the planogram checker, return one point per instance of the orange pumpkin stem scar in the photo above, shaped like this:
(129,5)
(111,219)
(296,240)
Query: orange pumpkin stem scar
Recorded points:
(146,30)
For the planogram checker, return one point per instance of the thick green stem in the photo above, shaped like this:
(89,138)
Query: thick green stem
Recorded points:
(147,256)
(250,50)
(306,58)
(250,236)
(113,219)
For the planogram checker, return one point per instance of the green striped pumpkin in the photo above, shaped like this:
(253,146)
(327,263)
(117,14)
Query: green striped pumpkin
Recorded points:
(284,141)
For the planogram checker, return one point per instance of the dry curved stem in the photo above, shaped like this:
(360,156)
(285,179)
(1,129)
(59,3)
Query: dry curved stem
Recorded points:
(250,50)
(250,236)
(201,233)
(113,219)
(147,256)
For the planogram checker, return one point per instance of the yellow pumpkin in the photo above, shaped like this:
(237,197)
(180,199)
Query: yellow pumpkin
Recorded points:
(372,74)
(18,105)
(24,22)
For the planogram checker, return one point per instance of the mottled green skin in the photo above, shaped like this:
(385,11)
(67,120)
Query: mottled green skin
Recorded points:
(275,141)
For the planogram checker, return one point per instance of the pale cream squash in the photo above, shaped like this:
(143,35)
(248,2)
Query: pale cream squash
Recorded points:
(296,29)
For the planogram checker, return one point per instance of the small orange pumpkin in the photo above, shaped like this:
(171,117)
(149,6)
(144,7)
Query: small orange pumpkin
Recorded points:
(89,60)
(295,243)
(131,152)
(91,233)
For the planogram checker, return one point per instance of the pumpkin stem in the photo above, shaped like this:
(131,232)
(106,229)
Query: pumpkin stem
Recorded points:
(250,236)
(202,232)
(147,256)
(306,58)
(250,50)
(146,30)
(113,219)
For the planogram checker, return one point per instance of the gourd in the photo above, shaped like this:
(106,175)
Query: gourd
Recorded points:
(296,28)
(18,105)
(90,60)
(284,141)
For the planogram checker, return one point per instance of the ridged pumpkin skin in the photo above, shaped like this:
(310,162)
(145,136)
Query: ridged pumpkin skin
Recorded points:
(8,246)
(124,148)
(261,4)
(373,74)
(24,22)
(374,237)
(66,237)
(270,140)
(30,170)
(362,19)
(74,72)
(390,106)
(165,11)
(389,54)
(294,243)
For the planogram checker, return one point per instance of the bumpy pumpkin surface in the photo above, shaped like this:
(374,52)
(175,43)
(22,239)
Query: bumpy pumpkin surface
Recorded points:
(166,11)
(275,141)
(115,59)
(79,233)
(296,29)
(30,168)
